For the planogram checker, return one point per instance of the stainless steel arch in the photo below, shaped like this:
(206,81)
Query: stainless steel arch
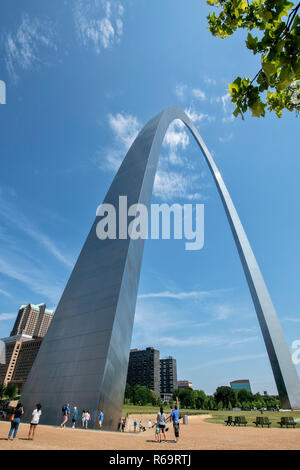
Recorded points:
(84,357)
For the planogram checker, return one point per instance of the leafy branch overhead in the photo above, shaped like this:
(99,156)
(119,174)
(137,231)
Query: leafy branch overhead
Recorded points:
(276,37)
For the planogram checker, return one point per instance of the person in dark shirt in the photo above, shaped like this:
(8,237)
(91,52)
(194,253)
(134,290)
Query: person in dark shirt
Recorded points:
(175,419)
(15,421)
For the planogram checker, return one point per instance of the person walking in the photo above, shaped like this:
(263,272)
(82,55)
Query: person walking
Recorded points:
(175,419)
(161,419)
(149,424)
(87,418)
(134,424)
(35,418)
(83,417)
(123,425)
(101,416)
(65,414)
(157,432)
(15,421)
(74,417)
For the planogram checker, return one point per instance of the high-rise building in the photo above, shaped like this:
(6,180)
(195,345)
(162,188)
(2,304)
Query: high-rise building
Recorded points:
(32,320)
(242,384)
(168,377)
(184,384)
(144,369)
(22,346)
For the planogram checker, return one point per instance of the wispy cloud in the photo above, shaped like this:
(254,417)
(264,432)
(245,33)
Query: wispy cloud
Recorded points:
(18,220)
(4,292)
(31,276)
(23,47)
(125,128)
(198,117)
(98,23)
(210,81)
(228,360)
(180,91)
(7,316)
(198,94)
(179,295)
(226,138)
(290,319)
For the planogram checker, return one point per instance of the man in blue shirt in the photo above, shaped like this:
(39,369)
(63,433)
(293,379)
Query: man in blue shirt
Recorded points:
(101,416)
(75,416)
(175,419)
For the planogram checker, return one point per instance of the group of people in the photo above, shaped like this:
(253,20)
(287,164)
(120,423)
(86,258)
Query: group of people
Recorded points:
(85,417)
(161,423)
(16,419)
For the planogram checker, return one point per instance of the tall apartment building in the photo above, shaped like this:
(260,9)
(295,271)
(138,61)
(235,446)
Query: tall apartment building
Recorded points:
(32,320)
(144,369)
(22,346)
(168,378)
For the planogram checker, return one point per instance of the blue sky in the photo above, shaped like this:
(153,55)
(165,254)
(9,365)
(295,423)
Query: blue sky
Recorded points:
(82,78)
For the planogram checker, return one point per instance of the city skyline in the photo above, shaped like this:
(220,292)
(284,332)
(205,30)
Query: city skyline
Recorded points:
(93,122)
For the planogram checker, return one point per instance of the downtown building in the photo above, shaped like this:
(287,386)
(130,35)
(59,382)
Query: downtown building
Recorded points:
(144,369)
(168,378)
(24,342)
(242,384)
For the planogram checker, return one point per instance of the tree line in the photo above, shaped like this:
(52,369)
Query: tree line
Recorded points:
(223,398)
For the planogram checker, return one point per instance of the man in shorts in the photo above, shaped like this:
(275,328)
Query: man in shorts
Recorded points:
(175,420)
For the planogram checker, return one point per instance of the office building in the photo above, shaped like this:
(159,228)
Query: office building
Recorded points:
(22,346)
(144,369)
(242,384)
(168,378)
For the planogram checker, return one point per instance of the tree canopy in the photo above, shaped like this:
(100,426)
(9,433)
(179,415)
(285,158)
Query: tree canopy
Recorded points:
(276,85)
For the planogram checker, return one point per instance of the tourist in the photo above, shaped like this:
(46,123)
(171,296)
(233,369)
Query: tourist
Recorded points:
(123,425)
(83,417)
(15,420)
(87,418)
(161,419)
(35,418)
(65,414)
(149,424)
(75,416)
(135,424)
(175,419)
(101,416)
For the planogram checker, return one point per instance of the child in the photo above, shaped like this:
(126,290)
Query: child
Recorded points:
(157,433)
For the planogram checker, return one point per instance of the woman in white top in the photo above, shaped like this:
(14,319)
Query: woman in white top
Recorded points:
(35,418)
(161,420)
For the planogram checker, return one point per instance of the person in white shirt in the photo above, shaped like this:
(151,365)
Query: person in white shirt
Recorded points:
(35,418)
(149,424)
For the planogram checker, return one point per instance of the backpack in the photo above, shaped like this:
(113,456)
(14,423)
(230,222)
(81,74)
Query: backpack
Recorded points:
(64,409)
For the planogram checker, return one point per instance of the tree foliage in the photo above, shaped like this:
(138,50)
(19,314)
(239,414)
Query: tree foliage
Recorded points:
(276,37)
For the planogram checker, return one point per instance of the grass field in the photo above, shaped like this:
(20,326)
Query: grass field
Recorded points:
(274,416)
(217,416)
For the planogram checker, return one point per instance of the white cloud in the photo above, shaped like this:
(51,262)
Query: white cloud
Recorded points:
(179,295)
(197,117)
(23,47)
(225,360)
(226,138)
(210,81)
(291,319)
(4,292)
(199,94)
(176,137)
(170,184)
(18,220)
(125,128)
(180,91)
(7,316)
(98,23)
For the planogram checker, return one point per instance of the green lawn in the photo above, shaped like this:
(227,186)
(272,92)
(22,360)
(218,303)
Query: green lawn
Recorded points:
(217,416)
(274,416)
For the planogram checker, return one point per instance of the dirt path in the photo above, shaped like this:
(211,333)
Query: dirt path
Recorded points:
(198,434)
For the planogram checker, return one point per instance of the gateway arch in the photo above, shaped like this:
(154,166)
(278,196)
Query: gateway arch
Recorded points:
(83,358)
